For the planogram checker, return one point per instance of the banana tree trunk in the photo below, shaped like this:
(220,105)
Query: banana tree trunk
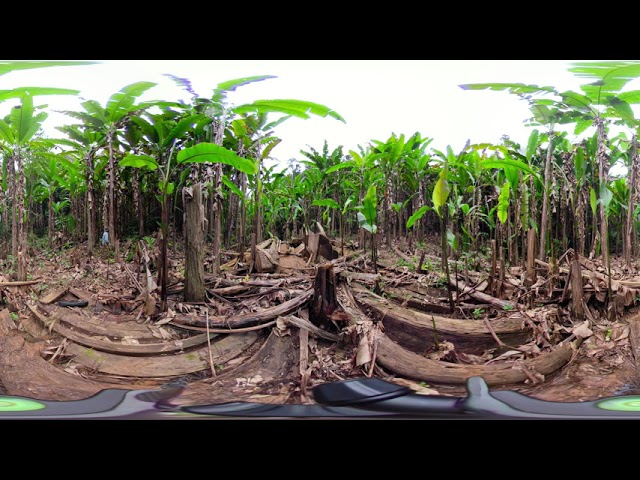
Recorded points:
(194,235)
(14,213)
(544,219)
(111,195)
(387,219)
(217,207)
(627,246)
(90,205)
(603,173)
(243,214)
(51,220)
(22,237)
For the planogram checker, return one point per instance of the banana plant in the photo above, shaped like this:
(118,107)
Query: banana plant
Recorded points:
(108,122)
(219,113)
(600,102)
(7,66)
(439,198)
(367,219)
(416,173)
(162,136)
(390,155)
(17,132)
(84,145)
(47,170)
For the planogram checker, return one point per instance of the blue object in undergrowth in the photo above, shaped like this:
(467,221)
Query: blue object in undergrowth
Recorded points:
(105,238)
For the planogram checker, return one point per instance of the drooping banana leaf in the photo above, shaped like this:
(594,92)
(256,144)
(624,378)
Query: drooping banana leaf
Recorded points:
(210,152)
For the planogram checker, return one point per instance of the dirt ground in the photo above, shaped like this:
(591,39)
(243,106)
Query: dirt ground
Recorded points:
(272,369)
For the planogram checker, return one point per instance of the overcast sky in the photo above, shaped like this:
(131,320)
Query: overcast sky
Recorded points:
(375,97)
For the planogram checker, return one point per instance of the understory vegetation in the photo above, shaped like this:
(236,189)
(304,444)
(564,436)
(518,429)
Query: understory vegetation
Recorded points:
(125,168)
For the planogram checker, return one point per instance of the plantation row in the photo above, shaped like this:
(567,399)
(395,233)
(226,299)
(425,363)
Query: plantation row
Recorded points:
(125,167)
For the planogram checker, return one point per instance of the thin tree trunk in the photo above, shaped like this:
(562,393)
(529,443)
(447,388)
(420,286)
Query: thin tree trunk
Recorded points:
(544,220)
(111,196)
(387,214)
(217,230)
(627,246)
(243,214)
(51,220)
(603,173)
(14,207)
(257,225)
(90,205)
(22,237)
(195,227)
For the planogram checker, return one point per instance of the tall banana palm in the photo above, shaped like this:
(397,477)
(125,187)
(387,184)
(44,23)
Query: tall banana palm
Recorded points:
(220,113)
(217,116)
(390,154)
(17,133)
(85,144)
(108,122)
(18,129)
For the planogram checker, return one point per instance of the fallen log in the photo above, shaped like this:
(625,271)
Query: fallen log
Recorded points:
(114,347)
(100,326)
(249,319)
(223,350)
(483,297)
(634,337)
(260,378)
(23,371)
(408,297)
(402,361)
(417,330)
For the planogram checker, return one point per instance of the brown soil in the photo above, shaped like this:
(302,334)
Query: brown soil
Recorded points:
(273,370)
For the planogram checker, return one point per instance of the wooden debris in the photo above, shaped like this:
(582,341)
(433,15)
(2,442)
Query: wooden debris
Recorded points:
(54,295)
(249,319)
(197,360)
(415,329)
(115,347)
(412,365)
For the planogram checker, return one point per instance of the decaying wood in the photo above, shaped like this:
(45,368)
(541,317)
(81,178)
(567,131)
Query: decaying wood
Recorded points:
(577,290)
(197,360)
(19,283)
(318,244)
(407,297)
(274,280)
(406,258)
(404,362)
(195,227)
(305,371)
(54,295)
(249,319)
(224,330)
(260,378)
(590,272)
(267,259)
(100,327)
(113,347)
(24,372)
(483,297)
(82,295)
(324,302)
(634,337)
(310,327)
(414,329)
(368,278)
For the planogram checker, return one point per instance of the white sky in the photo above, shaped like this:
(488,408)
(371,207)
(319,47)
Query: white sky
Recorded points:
(375,97)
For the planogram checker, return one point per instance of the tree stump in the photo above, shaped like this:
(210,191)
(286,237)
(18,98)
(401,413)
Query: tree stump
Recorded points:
(324,301)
